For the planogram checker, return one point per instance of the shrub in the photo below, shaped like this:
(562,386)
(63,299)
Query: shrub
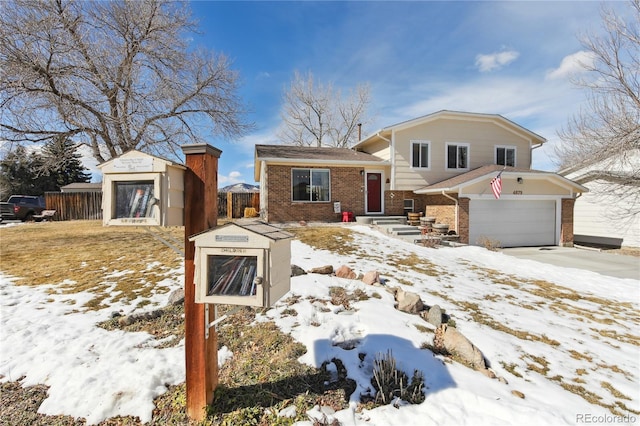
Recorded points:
(391,383)
(488,243)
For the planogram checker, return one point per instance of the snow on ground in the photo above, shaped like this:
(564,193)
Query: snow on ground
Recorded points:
(543,328)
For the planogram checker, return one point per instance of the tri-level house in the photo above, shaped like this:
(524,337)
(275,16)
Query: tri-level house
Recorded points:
(441,165)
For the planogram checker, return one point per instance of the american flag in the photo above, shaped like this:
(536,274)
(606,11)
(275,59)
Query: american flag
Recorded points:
(496,185)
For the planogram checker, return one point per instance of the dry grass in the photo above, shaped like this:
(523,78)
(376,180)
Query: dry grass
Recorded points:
(337,239)
(52,253)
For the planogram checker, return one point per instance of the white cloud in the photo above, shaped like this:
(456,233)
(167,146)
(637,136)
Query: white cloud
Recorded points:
(231,178)
(495,61)
(572,64)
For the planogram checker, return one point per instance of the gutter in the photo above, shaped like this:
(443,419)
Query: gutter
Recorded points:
(456,211)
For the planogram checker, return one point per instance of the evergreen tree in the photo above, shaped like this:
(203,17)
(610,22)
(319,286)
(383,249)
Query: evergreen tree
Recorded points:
(19,174)
(62,163)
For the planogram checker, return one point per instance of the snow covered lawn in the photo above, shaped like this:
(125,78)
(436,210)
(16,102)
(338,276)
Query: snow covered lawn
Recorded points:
(567,340)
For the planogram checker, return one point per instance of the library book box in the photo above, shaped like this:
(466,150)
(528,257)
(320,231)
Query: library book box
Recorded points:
(247,262)
(139,189)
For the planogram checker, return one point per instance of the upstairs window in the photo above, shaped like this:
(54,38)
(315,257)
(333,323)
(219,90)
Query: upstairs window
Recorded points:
(420,154)
(506,156)
(457,156)
(310,185)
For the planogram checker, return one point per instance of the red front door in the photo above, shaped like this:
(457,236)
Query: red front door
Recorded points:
(374,198)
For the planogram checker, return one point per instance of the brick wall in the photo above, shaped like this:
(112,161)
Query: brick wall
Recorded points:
(347,186)
(394,202)
(566,227)
(463,220)
(442,208)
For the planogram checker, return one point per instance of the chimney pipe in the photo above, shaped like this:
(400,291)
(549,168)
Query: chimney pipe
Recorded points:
(359,132)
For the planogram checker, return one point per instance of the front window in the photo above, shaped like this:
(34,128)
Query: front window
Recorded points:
(420,154)
(506,156)
(134,199)
(310,185)
(457,156)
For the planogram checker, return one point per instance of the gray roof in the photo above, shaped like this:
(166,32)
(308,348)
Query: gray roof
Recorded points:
(307,153)
(263,228)
(254,225)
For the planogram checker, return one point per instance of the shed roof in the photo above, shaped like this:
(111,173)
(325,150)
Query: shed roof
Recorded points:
(256,226)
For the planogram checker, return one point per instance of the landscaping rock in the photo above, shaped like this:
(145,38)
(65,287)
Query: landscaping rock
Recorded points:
(345,272)
(408,302)
(297,271)
(324,270)
(176,297)
(371,278)
(435,315)
(456,343)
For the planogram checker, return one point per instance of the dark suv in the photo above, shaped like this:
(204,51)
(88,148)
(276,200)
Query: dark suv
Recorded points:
(22,207)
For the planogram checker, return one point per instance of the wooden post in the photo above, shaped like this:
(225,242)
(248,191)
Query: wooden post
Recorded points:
(229,205)
(200,214)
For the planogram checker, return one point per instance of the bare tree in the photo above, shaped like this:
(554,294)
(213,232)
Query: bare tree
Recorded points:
(114,76)
(605,135)
(317,115)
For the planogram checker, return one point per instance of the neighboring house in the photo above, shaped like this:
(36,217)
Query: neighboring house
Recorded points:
(440,164)
(608,213)
(82,187)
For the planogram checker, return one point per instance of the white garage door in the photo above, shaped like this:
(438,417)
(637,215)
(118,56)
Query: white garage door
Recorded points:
(513,223)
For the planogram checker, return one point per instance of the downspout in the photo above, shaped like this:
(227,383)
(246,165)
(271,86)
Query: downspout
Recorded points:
(456,210)
(531,154)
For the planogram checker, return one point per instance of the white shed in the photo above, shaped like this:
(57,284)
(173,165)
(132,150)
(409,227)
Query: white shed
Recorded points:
(141,189)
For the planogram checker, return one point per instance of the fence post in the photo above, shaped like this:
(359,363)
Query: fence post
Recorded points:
(200,214)
(229,205)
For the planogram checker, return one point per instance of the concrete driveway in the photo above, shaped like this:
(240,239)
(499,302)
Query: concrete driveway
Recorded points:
(614,265)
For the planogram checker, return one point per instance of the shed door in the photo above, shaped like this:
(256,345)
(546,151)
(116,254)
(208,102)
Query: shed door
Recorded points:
(374,198)
(514,223)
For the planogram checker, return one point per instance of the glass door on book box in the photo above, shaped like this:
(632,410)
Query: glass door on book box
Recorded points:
(231,273)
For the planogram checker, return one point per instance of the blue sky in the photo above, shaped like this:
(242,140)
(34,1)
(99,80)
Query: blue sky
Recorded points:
(508,58)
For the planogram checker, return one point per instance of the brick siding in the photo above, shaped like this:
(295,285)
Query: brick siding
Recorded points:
(566,230)
(463,220)
(347,187)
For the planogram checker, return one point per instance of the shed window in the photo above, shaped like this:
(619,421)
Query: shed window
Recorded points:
(310,185)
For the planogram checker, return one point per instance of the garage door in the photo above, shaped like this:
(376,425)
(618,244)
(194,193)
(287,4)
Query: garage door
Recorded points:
(514,223)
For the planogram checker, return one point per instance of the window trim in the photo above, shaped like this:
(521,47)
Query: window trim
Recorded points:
(311,170)
(420,142)
(458,145)
(505,147)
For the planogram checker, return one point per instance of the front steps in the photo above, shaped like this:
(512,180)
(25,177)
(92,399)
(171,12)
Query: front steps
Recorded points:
(397,226)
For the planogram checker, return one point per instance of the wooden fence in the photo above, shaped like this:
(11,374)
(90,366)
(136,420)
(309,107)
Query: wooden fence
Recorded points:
(232,204)
(88,205)
(75,205)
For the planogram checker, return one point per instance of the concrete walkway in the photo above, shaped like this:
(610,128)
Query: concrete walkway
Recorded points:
(614,265)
